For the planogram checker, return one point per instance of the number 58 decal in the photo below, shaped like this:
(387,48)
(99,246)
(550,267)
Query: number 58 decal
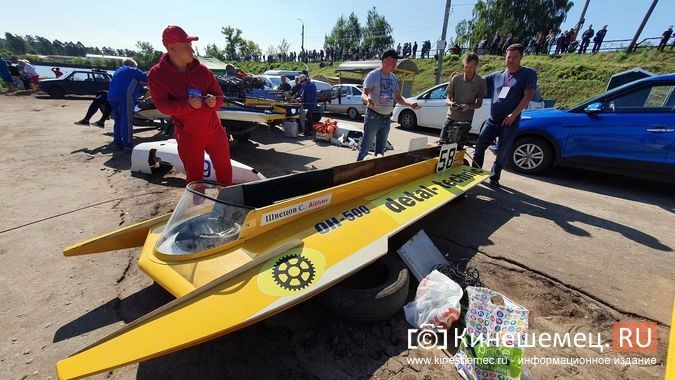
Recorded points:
(447,157)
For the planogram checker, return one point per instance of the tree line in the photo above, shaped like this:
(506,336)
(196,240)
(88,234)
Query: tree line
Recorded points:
(522,18)
(14,44)
(348,34)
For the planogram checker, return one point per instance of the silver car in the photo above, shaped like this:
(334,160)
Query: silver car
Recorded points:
(347,99)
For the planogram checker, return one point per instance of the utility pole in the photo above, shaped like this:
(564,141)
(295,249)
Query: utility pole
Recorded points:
(302,43)
(632,45)
(440,48)
(582,18)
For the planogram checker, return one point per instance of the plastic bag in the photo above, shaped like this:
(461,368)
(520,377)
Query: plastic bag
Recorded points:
(436,302)
(491,317)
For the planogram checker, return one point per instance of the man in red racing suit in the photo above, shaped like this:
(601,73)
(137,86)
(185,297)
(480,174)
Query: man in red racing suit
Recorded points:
(185,89)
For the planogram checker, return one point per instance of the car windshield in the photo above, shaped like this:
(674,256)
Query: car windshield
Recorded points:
(201,221)
(276,81)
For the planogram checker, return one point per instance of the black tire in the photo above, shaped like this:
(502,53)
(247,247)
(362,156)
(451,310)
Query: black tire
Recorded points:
(353,113)
(531,155)
(56,92)
(407,120)
(375,293)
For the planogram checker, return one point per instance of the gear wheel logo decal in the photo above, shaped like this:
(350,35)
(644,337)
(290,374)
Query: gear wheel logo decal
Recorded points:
(291,272)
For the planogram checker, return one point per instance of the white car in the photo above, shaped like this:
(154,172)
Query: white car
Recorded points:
(290,74)
(434,111)
(272,82)
(347,99)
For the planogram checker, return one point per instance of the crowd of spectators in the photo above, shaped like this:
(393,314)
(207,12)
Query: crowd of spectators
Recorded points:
(356,53)
(545,43)
(553,42)
(571,40)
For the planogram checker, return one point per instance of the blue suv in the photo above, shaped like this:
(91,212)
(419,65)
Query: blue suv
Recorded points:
(629,130)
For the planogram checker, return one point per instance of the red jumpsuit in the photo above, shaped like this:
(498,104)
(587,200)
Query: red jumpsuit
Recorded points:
(196,130)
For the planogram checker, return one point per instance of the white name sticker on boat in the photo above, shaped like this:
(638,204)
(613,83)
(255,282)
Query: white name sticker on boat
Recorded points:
(298,208)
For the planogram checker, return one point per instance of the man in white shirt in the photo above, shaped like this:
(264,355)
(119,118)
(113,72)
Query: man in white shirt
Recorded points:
(380,92)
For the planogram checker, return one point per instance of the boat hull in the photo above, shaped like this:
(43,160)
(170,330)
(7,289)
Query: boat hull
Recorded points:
(289,257)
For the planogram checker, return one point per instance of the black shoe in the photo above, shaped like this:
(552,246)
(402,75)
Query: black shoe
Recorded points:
(82,122)
(494,184)
(100,124)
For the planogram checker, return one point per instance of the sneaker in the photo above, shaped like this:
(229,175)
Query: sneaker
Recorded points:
(82,122)
(100,124)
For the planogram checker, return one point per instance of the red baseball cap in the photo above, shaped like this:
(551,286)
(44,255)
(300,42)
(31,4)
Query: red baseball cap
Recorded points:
(175,34)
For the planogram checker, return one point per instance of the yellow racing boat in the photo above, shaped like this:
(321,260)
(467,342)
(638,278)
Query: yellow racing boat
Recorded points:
(236,255)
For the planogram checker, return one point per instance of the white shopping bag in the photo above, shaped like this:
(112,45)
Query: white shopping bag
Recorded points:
(436,302)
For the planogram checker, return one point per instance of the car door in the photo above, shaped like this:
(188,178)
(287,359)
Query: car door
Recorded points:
(332,105)
(101,82)
(632,131)
(480,116)
(356,100)
(434,110)
(77,83)
(668,170)
(344,98)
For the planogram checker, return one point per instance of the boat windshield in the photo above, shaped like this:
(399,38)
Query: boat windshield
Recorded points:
(201,221)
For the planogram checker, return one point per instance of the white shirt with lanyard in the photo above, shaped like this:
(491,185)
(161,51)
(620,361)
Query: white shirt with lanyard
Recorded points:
(505,90)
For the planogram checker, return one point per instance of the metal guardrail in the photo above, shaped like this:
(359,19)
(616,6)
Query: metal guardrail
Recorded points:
(618,45)
(607,45)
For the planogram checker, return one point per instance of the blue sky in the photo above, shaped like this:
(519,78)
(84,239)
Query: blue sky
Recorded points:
(121,23)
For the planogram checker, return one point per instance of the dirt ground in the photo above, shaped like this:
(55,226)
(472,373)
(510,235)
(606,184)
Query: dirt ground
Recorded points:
(577,267)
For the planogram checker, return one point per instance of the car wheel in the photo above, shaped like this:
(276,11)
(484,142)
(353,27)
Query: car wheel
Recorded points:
(374,293)
(407,120)
(353,113)
(56,92)
(531,155)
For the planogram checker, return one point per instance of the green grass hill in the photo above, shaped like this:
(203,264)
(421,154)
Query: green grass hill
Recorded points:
(567,79)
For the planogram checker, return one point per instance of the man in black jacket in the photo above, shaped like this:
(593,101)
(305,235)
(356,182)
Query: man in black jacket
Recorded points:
(586,39)
(599,37)
(664,38)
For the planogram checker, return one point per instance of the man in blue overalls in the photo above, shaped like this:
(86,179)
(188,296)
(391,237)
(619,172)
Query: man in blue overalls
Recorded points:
(125,88)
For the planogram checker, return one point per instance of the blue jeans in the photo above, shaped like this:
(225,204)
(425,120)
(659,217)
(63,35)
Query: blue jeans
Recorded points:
(375,127)
(493,129)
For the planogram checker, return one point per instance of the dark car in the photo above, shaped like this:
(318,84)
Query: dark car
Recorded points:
(629,130)
(79,82)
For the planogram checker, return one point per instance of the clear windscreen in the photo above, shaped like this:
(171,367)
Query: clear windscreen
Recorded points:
(201,221)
